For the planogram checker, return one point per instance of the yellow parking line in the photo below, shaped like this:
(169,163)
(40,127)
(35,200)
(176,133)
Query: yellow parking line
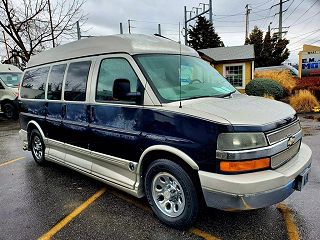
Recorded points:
(292,229)
(203,234)
(72,215)
(138,204)
(11,161)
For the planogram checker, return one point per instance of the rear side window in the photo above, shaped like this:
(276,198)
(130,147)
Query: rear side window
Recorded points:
(55,82)
(34,83)
(76,81)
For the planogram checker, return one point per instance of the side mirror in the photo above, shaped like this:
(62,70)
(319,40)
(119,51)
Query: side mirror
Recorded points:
(121,91)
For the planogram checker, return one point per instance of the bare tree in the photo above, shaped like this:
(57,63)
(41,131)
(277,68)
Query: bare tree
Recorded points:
(28,25)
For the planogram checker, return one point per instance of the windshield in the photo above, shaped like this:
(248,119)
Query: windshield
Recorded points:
(197,79)
(11,79)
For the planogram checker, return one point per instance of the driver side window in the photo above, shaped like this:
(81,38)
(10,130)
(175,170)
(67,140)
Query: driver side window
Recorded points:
(110,70)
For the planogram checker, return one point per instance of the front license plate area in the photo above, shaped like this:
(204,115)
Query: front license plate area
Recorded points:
(302,179)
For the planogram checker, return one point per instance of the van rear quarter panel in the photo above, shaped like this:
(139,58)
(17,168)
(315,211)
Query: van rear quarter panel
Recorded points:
(32,110)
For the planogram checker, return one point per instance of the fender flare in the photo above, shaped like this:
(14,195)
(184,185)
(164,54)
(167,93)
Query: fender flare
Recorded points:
(32,122)
(168,149)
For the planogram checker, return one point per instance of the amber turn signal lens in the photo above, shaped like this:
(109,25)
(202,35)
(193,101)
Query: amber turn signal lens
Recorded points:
(244,166)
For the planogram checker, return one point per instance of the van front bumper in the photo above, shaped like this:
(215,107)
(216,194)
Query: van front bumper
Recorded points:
(254,190)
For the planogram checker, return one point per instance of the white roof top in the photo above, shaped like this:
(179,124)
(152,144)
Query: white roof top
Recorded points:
(9,68)
(124,43)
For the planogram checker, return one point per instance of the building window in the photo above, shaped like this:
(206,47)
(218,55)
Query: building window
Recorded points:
(234,74)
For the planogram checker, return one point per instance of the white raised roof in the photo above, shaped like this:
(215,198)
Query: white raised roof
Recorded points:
(122,43)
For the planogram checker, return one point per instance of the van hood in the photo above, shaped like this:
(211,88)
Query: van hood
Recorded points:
(239,109)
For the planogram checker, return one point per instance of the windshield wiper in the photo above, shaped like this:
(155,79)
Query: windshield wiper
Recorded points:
(226,95)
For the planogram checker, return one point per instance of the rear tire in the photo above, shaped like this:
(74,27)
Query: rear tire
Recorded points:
(37,147)
(171,194)
(9,111)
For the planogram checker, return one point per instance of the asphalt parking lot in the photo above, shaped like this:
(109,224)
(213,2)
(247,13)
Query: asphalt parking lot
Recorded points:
(56,202)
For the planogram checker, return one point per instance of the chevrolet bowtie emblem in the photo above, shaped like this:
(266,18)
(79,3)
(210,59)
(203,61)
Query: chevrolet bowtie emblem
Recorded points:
(291,141)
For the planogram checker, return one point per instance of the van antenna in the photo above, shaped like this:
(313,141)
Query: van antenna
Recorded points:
(180,105)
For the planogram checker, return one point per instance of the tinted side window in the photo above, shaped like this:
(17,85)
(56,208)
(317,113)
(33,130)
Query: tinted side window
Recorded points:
(34,83)
(76,81)
(55,82)
(110,70)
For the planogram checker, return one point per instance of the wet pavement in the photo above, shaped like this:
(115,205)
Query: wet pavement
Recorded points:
(34,199)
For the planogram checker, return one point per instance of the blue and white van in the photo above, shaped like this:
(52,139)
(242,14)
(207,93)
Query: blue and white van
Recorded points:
(148,116)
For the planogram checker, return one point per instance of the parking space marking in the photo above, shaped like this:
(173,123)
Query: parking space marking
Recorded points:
(72,215)
(292,229)
(11,161)
(203,234)
(138,204)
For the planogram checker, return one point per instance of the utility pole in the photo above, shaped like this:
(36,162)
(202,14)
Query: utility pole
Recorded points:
(280,19)
(280,28)
(51,25)
(78,30)
(121,28)
(159,29)
(248,10)
(5,43)
(210,11)
(269,27)
(186,19)
(129,26)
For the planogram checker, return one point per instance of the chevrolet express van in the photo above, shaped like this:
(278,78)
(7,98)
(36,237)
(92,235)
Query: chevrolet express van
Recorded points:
(10,77)
(148,116)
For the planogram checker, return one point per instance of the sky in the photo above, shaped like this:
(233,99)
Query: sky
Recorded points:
(302,17)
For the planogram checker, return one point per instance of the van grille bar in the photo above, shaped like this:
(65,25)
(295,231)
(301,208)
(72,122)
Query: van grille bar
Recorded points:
(283,133)
(283,157)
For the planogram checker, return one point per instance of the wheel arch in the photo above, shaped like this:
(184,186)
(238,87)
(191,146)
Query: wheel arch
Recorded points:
(158,150)
(164,152)
(34,125)
(167,152)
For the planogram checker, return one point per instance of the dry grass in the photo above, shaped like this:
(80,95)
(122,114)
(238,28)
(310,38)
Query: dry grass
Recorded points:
(284,78)
(303,101)
(268,96)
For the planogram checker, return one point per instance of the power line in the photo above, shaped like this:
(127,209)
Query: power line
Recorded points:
(289,5)
(301,35)
(293,10)
(253,20)
(305,19)
(304,38)
(315,42)
(297,19)
(262,3)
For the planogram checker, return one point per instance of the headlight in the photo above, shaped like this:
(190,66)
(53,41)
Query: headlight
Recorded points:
(241,141)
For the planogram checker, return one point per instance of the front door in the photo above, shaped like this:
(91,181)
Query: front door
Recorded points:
(115,126)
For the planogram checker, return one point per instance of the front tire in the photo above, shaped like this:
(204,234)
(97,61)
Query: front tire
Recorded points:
(37,147)
(171,194)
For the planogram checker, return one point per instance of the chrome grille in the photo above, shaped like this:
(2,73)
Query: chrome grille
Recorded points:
(283,133)
(284,156)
